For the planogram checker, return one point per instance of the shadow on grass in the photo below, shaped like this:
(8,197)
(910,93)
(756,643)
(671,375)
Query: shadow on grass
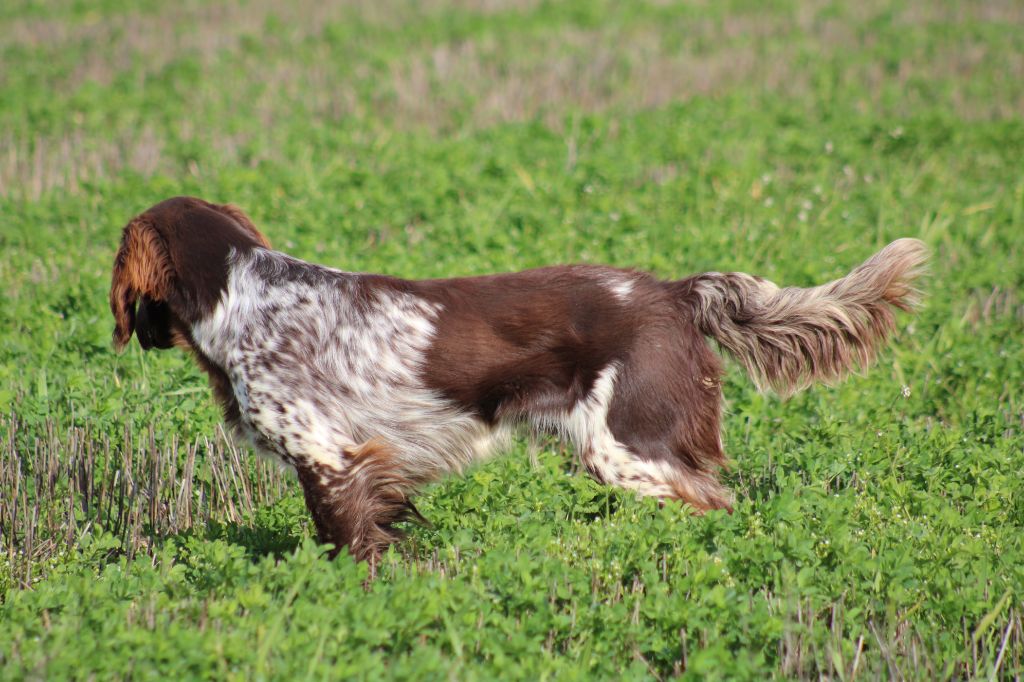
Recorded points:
(258,539)
(276,530)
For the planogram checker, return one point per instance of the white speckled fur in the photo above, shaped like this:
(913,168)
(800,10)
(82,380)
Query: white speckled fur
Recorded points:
(361,383)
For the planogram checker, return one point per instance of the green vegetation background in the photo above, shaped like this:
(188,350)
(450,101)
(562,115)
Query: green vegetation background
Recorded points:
(878,527)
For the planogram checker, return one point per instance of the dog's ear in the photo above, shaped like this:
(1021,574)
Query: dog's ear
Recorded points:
(142,267)
(238,215)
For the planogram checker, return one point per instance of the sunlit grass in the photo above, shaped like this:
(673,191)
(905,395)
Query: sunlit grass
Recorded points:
(878,526)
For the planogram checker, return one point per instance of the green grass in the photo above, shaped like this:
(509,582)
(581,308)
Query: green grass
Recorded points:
(878,530)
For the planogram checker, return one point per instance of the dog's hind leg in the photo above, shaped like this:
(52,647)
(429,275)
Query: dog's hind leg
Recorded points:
(661,478)
(631,435)
(652,420)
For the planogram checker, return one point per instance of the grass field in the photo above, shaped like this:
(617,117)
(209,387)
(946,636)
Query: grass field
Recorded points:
(878,530)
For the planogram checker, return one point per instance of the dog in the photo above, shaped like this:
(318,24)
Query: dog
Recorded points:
(371,386)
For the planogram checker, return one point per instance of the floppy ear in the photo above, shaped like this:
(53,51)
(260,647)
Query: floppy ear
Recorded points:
(239,217)
(142,267)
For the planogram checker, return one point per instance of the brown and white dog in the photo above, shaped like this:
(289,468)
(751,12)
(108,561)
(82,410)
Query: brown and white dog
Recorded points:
(370,386)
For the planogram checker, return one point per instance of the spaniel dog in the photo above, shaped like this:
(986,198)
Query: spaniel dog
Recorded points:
(370,386)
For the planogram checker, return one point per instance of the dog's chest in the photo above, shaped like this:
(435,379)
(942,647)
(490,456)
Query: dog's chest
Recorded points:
(314,374)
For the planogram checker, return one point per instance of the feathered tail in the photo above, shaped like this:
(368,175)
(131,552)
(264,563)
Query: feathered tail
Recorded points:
(790,338)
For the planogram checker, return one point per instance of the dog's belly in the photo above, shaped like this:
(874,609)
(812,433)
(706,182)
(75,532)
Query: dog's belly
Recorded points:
(319,422)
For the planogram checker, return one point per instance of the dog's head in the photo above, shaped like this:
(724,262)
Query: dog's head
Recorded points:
(172,267)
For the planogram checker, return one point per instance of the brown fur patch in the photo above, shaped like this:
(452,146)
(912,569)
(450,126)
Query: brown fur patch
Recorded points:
(532,342)
(219,382)
(142,267)
(239,216)
(357,507)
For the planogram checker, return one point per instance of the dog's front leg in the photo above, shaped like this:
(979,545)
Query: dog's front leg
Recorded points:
(357,505)
(321,486)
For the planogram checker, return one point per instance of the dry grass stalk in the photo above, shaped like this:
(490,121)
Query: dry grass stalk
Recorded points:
(57,488)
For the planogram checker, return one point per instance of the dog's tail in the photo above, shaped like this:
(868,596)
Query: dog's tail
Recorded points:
(790,338)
